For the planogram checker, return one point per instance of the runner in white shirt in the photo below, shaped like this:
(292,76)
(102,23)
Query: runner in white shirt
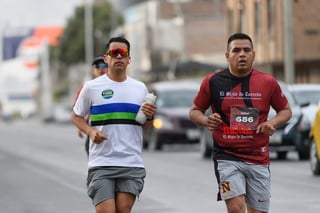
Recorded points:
(116,170)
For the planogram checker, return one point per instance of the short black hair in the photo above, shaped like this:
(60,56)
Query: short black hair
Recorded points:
(118,39)
(98,60)
(240,36)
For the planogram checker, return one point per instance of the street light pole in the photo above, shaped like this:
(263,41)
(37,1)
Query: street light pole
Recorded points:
(45,83)
(289,70)
(88,29)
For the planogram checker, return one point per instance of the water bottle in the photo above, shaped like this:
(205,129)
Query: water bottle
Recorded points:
(141,117)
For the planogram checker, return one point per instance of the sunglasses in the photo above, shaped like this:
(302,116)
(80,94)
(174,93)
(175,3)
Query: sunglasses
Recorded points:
(115,52)
(101,65)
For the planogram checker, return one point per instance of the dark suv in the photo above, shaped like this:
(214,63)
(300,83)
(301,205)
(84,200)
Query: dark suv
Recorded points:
(171,124)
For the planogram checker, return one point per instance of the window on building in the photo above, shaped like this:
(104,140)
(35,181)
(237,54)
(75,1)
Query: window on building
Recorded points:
(243,19)
(258,13)
(231,26)
(271,15)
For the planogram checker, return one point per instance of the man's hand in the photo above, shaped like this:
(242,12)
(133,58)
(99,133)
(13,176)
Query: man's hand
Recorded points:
(214,120)
(80,133)
(266,128)
(97,137)
(149,110)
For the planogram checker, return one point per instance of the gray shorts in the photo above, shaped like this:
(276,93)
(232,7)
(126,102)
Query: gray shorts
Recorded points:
(239,178)
(104,182)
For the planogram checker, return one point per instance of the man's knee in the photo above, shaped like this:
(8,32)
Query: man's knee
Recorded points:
(236,204)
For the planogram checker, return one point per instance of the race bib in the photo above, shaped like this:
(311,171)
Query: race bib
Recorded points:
(244,117)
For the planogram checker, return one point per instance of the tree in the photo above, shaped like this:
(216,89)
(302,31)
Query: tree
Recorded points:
(71,49)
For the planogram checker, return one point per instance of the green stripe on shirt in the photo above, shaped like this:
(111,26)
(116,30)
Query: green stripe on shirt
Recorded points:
(113,116)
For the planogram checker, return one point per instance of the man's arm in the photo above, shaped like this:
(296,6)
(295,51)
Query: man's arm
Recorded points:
(282,117)
(81,123)
(149,110)
(198,117)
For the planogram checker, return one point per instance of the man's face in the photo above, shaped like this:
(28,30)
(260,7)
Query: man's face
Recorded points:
(99,69)
(117,57)
(240,56)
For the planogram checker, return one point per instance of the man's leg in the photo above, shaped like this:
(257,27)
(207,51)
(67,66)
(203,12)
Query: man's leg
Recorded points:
(124,202)
(236,204)
(106,206)
(251,210)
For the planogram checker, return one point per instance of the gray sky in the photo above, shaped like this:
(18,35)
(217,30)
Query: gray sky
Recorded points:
(31,13)
(36,12)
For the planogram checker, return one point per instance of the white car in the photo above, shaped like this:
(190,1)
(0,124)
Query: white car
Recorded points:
(307,96)
(17,104)
(62,113)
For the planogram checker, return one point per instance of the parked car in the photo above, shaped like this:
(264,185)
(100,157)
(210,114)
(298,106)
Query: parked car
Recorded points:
(17,105)
(62,113)
(59,113)
(293,136)
(315,144)
(308,96)
(171,124)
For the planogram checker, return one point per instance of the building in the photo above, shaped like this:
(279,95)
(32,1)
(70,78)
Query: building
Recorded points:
(168,33)
(266,22)
(25,77)
(175,38)
(11,39)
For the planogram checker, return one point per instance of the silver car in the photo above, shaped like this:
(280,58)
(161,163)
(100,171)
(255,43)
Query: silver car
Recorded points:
(307,95)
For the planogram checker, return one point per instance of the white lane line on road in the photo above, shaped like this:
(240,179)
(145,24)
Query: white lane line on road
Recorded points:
(53,177)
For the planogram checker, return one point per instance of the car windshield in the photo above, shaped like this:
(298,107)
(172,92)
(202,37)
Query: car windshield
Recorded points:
(178,98)
(19,97)
(311,96)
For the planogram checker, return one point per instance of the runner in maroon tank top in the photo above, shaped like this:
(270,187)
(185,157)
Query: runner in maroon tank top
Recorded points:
(240,98)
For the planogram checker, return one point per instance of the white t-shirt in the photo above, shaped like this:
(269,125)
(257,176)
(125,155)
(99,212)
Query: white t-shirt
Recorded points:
(113,107)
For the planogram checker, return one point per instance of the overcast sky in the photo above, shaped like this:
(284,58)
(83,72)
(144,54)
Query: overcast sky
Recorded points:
(36,12)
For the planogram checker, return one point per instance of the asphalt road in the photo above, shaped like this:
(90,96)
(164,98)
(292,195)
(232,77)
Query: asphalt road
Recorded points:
(43,170)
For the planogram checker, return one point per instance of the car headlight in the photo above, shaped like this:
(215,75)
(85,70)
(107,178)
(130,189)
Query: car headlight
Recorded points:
(160,122)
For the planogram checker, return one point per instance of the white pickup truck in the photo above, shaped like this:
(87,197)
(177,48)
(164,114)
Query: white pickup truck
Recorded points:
(17,105)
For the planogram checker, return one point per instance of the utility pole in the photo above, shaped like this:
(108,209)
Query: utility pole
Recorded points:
(45,83)
(1,43)
(88,29)
(289,71)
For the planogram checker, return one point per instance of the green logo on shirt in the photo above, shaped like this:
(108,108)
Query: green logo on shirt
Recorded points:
(107,93)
